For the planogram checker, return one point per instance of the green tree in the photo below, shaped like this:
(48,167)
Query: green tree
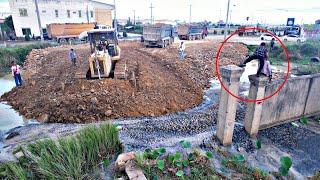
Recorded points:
(8,24)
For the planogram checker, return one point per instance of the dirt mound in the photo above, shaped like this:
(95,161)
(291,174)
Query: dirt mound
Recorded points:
(164,84)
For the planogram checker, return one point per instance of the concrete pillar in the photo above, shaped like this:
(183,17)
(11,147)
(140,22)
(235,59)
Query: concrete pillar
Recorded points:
(254,109)
(227,105)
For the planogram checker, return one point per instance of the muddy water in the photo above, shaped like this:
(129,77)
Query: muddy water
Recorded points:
(9,118)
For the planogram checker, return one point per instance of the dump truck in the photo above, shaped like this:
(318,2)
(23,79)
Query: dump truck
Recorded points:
(190,32)
(160,35)
(67,32)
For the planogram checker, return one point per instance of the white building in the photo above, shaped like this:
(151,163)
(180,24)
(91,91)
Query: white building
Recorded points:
(57,11)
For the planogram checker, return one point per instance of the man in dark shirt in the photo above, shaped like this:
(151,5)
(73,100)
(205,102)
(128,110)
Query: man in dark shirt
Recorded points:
(261,53)
(272,43)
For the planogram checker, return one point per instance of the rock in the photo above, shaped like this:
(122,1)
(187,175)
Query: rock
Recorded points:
(44,118)
(133,172)
(63,86)
(92,90)
(108,112)
(123,159)
(94,100)
(33,83)
(315,59)
(12,135)
(19,154)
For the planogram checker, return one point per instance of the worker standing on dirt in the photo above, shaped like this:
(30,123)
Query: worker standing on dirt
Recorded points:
(182,47)
(73,56)
(261,53)
(15,70)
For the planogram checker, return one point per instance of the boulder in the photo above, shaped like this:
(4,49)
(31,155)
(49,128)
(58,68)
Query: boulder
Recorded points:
(123,159)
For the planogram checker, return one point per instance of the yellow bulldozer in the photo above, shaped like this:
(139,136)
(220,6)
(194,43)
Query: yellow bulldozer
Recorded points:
(104,60)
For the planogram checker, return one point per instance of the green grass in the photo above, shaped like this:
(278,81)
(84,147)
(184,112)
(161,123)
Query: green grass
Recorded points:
(74,157)
(18,54)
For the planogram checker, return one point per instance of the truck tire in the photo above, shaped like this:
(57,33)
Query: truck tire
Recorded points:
(71,40)
(62,41)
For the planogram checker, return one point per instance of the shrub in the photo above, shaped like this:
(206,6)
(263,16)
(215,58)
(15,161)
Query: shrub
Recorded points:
(309,49)
(17,54)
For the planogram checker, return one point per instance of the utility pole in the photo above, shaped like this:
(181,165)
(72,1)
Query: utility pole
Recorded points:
(134,17)
(225,27)
(87,12)
(151,7)
(115,23)
(39,21)
(190,14)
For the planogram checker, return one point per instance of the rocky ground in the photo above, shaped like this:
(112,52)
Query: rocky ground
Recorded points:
(198,126)
(164,84)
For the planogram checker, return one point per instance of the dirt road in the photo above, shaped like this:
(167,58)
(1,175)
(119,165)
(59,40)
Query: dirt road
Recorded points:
(164,84)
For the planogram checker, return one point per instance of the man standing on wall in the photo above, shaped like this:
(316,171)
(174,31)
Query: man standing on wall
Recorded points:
(261,53)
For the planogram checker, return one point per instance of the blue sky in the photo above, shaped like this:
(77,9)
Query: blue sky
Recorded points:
(262,11)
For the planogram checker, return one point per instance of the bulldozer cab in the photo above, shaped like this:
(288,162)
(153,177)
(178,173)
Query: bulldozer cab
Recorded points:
(104,60)
(103,40)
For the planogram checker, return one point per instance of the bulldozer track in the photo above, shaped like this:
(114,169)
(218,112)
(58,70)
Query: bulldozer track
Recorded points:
(121,70)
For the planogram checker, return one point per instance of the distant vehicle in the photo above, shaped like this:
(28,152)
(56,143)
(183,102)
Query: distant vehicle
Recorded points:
(158,35)
(67,32)
(84,35)
(293,38)
(191,32)
(243,32)
(266,37)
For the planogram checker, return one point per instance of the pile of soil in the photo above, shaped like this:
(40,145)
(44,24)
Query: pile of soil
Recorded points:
(165,84)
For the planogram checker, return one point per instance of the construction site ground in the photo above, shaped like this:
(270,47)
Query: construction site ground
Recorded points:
(163,83)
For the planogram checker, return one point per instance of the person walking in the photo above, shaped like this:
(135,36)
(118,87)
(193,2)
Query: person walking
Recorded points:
(182,47)
(73,56)
(16,70)
(261,53)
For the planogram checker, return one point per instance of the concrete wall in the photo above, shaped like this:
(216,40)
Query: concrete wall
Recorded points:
(313,101)
(299,97)
(47,13)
